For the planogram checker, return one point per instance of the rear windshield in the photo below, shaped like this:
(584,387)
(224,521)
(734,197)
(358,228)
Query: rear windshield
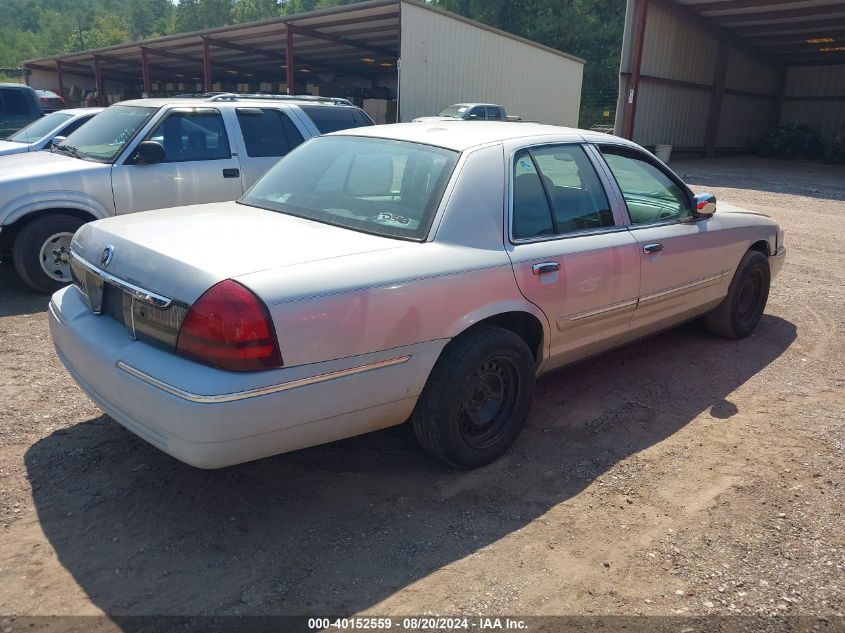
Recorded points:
(329,118)
(378,186)
(40,128)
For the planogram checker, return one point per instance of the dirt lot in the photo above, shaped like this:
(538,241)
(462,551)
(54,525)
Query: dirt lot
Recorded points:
(684,474)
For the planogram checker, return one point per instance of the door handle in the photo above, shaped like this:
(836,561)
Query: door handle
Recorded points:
(545,267)
(232,173)
(652,248)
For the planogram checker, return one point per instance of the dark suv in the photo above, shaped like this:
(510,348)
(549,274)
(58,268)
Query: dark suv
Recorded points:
(18,107)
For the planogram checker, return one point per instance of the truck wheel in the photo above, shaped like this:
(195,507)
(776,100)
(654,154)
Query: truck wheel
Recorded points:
(41,252)
(477,397)
(740,311)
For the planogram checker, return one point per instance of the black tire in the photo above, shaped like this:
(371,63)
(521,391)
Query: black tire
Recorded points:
(477,397)
(740,311)
(31,242)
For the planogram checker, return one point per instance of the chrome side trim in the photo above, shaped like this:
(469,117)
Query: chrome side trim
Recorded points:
(576,319)
(136,292)
(260,391)
(679,290)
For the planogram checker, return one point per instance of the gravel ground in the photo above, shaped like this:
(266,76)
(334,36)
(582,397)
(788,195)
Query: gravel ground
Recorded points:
(684,474)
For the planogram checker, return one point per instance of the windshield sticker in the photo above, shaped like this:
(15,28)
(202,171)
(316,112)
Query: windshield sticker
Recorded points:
(393,218)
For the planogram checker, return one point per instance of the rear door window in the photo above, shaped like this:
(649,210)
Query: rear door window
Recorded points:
(329,118)
(267,132)
(494,113)
(556,191)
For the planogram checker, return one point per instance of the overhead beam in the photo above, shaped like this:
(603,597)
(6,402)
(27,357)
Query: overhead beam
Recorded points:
(790,38)
(780,14)
(184,58)
(735,4)
(788,27)
(337,39)
(250,50)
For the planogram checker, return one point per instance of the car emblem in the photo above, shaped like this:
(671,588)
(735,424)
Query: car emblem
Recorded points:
(106,257)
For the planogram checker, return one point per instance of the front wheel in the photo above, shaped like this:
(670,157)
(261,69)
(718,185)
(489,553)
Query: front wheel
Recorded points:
(41,252)
(740,311)
(477,397)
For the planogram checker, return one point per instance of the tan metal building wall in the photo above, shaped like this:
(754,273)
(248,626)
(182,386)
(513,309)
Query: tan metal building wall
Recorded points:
(447,60)
(679,76)
(807,98)
(697,86)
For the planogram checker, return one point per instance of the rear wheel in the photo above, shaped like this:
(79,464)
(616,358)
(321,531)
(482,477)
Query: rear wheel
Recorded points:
(477,397)
(41,252)
(740,311)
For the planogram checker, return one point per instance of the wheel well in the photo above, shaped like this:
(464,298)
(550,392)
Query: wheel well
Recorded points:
(10,231)
(523,324)
(761,246)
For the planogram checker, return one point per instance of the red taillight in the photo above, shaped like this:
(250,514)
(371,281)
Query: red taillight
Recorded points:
(229,327)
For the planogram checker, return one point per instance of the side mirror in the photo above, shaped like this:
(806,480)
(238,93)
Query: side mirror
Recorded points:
(472,117)
(150,152)
(56,140)
(705,205)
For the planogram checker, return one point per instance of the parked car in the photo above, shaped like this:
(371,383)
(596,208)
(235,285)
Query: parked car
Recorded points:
(18,107)
(470,112)
(398,271)
(50,101)
(39,134)
(147,154)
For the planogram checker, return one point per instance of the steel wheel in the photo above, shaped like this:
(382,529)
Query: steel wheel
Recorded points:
(55,257)
(749,296)
(487,402)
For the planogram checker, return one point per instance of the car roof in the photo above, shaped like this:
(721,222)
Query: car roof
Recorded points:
(240,102)
(463,135)
(15,86)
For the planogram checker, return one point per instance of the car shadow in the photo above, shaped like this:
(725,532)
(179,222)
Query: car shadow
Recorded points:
(15,296)
(338,528)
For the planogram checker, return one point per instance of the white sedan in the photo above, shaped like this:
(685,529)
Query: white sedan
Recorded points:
(422,271)
(39,134)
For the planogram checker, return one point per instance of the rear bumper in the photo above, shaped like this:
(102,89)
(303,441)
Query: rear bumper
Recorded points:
(211,418)
(776,261)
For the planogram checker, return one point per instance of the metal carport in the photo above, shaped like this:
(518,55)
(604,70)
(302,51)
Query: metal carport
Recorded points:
(712,77)
(445,59)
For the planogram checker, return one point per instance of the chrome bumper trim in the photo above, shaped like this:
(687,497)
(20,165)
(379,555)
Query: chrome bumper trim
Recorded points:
(136,292)
(260,391)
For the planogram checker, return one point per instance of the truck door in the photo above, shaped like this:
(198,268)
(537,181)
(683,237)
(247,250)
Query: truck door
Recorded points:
(199,165)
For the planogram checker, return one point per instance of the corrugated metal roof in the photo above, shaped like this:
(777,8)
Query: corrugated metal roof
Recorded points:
(791,31)
(360,39)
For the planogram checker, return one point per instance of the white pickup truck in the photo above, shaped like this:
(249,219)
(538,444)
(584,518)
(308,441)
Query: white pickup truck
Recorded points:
(471,112)
(149,154)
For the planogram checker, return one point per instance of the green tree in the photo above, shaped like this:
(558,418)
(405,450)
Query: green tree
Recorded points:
(193,15)
(251,10)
